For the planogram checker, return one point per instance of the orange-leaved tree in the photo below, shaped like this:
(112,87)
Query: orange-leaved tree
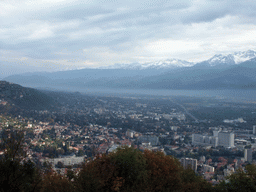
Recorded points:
(54,182)
(164,172)
(129,169)
(120,171)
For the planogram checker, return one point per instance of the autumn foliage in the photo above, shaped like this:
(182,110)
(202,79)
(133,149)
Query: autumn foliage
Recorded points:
(126,169)
(132,170)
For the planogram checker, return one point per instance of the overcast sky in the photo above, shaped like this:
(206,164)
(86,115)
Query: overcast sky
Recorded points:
(52,35)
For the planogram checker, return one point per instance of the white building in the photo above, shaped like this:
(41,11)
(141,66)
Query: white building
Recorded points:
(254,129)
(216,133)
(189,162)
(248,155)
(208,168)
(226,139)
(202,158)
(198,139)
(67,160)
(129,133)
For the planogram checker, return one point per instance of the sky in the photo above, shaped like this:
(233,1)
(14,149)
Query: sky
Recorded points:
(54,35)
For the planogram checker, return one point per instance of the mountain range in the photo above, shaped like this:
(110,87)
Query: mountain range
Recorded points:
(233,71)
(218,59)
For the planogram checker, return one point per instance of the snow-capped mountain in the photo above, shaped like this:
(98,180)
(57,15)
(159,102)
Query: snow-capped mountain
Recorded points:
(164,64)
(167,74)
(240,57)
(216,60)
(231,59)
(170,63)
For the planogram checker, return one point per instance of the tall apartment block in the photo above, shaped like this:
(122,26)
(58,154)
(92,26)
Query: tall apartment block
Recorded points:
(189,162)
(248,155)
(225,139)
(198,139)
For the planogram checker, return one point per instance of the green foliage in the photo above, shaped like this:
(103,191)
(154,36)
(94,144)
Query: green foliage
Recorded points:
(18,177)
(13,144)
(70,174)
(124,170)
(192,182)
(130,165)
(240,181)
(129,169)
(17,174)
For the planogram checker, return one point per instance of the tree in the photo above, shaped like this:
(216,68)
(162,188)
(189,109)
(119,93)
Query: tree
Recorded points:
(60,164)
(194,183)
(164,172)
(54,182)
(129,169)
(17,173)
(13,144)
(124,170)
(80,153)
(70,174)
(240,181)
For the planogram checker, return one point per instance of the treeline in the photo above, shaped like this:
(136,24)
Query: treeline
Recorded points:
(127,169)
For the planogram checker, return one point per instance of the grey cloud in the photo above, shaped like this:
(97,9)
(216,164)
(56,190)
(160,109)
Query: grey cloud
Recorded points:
(208,11)
(138,20)
(76,12)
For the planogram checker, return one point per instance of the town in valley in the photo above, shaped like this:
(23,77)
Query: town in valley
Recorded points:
(213,136)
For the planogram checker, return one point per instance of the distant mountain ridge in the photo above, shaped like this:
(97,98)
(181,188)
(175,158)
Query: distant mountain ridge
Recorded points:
(218,59)
(231,59)
(163,64)
(233,71)
(240,76)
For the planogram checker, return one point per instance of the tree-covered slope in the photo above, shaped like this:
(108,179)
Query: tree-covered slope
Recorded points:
(24,98)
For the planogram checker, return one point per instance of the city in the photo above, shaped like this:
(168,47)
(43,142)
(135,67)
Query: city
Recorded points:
(83,126)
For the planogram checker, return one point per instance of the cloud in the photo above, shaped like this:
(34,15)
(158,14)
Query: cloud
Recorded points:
(93,33)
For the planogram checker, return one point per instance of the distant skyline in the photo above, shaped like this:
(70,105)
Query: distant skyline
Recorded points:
(52,35)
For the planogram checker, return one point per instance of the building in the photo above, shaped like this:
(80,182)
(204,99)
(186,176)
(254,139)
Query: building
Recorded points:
(66,160)
(254,129)
(152,139)
(129,133)
(228,172)
(208,168)
(248,155)
(226,139)
(216,133)
(189,162)
(198,139)
(202,158)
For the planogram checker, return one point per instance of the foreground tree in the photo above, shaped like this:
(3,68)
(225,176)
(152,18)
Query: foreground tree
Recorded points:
(124,170)
(129,169)
(164,172)
(17,173)
(194,183)
(54,182)
(244,181)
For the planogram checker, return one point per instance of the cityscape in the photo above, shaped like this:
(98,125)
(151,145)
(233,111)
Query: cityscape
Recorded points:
(121,96)
(82,126)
